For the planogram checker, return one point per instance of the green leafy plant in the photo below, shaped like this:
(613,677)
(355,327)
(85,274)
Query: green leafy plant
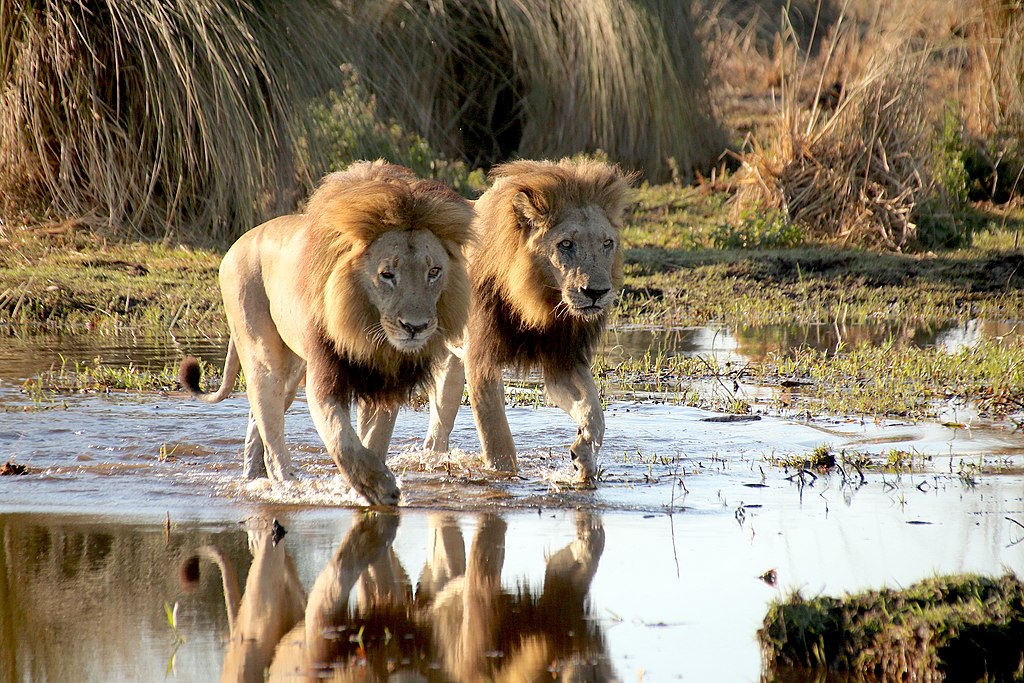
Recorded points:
(758,229)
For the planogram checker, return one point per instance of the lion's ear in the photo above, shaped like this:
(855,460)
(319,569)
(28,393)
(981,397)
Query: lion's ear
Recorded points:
(528,212)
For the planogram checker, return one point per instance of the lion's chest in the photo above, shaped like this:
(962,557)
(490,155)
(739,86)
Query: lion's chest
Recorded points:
(501,339)
(349,379)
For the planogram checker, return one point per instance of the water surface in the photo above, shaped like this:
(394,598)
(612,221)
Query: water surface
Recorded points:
(655,573)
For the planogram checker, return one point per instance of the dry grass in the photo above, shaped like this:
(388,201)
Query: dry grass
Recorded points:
(166,119)
(993,97)
(544,78)
(193,118)
(996,36)
(855,154)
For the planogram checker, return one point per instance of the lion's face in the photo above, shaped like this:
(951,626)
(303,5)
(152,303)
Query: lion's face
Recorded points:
(404,274)
(578,252)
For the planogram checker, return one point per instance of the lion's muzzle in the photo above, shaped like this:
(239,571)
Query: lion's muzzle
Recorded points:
(410,336)
(588,302)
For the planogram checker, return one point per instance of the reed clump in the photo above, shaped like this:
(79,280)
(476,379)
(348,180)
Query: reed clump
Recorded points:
(863,160)
(998,67)
(544,78)
(194,119)
(172,119)
(948,628)
(994,99)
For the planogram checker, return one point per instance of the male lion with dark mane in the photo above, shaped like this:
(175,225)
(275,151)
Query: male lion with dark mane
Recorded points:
(545,268)
(360,296)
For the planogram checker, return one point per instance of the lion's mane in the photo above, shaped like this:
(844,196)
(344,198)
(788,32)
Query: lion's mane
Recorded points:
(515,316)
(347,212)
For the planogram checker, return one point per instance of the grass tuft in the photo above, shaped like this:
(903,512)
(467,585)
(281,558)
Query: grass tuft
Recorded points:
(958,628)
(855,160)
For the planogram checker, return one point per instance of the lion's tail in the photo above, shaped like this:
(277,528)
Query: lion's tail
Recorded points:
(188,576)
(189,374)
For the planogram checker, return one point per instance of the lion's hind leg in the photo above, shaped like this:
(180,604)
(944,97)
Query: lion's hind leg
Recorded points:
(376,424)
(253,453)
(254,465)
(271,381)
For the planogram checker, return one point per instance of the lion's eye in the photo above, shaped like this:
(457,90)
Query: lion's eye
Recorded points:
(608,243)
(386,275)
(565,244)
(434,273)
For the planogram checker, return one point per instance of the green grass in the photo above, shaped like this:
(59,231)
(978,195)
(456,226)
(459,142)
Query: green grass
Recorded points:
(957,628)
(58,278)
(675,276)
(889,380)
(95,377)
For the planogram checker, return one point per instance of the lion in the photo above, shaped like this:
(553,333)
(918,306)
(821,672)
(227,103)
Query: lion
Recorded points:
(545,268)
(360,296)
(272,603)
(361,619)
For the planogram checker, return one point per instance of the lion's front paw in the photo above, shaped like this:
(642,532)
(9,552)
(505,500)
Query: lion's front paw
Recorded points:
(371,478)
(279,471)
(584,461)
(502,462)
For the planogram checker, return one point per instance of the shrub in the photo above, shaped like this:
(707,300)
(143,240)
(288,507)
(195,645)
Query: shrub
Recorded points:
(767,229)
(347,126)
(875,168)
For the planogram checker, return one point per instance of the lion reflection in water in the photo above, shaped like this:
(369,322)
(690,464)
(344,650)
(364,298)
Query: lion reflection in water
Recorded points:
(460,624)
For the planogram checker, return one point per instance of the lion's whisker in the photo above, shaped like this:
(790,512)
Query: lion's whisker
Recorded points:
(562,310)
(376,334)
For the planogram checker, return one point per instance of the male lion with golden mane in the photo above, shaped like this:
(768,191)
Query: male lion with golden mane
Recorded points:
(545,268)
(359,296)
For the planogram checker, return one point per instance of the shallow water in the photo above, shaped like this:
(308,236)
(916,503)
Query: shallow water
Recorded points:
(756,343)
(665,554)
(24,357)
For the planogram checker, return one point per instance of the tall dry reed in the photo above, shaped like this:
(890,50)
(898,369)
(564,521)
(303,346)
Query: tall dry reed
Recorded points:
(544,78)
(194,118)
(160,118)
(997,36)
(858,161)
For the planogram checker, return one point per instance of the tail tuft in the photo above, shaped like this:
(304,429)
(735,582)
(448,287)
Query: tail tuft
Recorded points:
(189,374)
(188,574)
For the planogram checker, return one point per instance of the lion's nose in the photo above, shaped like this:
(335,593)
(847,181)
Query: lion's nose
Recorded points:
(595,294)
(412,329)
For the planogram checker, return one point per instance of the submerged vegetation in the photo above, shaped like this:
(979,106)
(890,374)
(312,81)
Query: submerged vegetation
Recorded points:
(960,628)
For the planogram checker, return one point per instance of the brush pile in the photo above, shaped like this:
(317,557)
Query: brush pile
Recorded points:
(861,173)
